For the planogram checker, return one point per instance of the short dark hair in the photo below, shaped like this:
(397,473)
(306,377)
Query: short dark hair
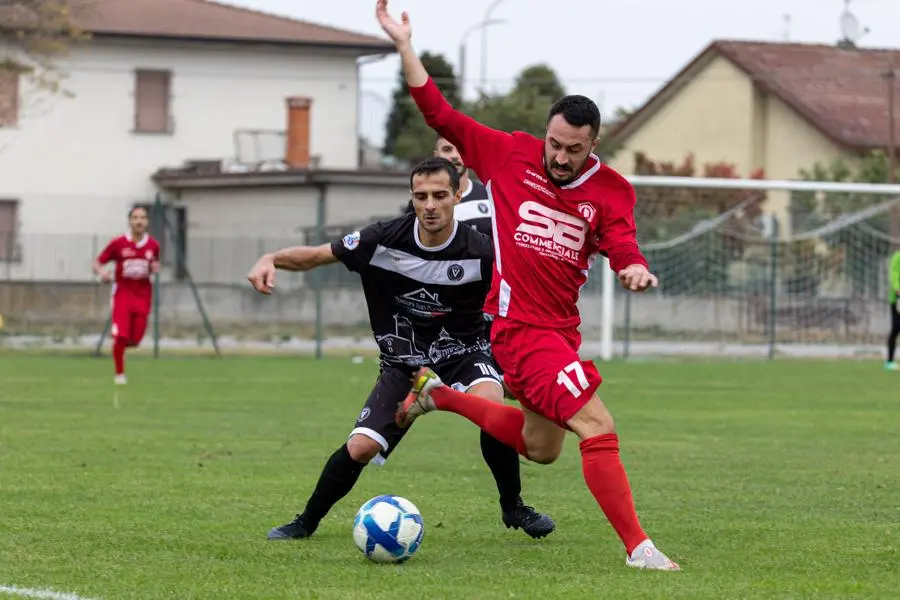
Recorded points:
(436,164)
(138,207)
(578,111)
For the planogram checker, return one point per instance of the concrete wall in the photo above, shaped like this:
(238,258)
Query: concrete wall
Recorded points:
(293,308)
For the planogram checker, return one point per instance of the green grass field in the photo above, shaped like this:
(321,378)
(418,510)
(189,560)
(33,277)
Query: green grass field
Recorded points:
(763,480)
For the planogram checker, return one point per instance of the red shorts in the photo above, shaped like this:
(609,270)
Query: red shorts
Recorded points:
(542,369)
(129,318)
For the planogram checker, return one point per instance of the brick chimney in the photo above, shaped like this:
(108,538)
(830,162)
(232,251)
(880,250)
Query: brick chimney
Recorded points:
(296,154)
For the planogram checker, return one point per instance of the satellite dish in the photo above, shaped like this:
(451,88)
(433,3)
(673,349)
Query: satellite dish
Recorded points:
(850,26)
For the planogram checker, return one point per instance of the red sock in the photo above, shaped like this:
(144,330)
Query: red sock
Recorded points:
(498,420)
(118,352)
(606,478)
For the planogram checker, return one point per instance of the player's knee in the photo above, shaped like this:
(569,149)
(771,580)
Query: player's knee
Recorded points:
(544,454)
(543,447)
(488,390)
(362,448)
(592,420)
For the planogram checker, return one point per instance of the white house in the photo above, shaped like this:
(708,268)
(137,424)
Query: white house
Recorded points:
(158,86)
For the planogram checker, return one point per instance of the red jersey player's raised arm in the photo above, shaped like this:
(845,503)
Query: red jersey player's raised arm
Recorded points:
(617,232)
(482,148)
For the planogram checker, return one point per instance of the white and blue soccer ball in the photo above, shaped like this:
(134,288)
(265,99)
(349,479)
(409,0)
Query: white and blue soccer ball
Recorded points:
(388,529)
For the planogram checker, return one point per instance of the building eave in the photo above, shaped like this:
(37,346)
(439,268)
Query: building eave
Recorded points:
(173,181)
(361,49)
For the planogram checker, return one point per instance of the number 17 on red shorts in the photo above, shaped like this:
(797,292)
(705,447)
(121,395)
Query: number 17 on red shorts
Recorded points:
(542,369)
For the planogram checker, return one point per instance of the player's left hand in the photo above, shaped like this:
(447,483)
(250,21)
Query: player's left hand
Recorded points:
(262,275)
(637,278)
(400,32)
(154,266)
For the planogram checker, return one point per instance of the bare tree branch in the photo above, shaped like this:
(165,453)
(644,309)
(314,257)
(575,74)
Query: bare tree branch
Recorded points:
(34,35)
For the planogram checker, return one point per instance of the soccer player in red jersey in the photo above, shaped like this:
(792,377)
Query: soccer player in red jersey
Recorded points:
(136,255)
(556,208)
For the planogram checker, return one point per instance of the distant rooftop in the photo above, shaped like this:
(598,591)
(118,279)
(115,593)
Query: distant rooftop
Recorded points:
(842,92)
(211,21)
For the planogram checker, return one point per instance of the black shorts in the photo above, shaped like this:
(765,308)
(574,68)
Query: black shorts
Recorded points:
(376,421)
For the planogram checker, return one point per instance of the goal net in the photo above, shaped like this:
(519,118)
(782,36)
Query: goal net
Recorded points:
(752,268)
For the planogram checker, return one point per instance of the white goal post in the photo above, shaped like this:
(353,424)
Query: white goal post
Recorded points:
(813,213)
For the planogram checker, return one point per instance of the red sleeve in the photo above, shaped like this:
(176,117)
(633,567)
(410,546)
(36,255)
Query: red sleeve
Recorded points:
(617,230)
(481,147)
(155,250)
(109,253)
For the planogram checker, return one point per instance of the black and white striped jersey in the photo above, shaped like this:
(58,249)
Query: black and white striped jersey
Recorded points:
(474,209)
(425,304)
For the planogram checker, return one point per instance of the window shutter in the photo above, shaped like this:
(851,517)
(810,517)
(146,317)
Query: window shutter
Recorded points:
(9,97)
(8,222)
(151,98)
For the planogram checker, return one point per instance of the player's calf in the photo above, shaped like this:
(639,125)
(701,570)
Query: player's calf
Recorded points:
(118,351)
(543,438)
(504,464)
(608,482)
(338,477)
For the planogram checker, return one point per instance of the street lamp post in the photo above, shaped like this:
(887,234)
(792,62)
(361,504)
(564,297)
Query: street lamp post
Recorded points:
(484,52)
(462,51)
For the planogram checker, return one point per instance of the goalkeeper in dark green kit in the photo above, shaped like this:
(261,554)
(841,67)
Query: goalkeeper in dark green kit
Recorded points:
(894,281)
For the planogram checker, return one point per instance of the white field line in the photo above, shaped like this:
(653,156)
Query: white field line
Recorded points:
(35,593)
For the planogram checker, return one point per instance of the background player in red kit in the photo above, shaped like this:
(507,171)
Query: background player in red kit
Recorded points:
(136,255)
(556,207)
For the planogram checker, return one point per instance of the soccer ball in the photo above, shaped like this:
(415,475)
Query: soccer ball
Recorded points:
(388,529)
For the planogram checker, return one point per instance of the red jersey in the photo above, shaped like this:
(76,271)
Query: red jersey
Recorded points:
(546,237)
(133,261)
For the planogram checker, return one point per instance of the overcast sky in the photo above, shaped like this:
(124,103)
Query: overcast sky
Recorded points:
(618,53)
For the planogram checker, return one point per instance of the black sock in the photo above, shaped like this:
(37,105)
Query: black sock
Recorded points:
(337,479)
(895,331)
(504,464)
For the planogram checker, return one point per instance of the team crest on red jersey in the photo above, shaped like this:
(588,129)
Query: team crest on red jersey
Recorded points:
(587,211)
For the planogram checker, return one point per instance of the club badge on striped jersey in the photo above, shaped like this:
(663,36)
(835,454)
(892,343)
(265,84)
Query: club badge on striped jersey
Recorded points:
(351,240)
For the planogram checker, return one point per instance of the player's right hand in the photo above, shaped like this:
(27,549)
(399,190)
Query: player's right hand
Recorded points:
(637,278)
(106,276)
(262,275)
(399,32)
